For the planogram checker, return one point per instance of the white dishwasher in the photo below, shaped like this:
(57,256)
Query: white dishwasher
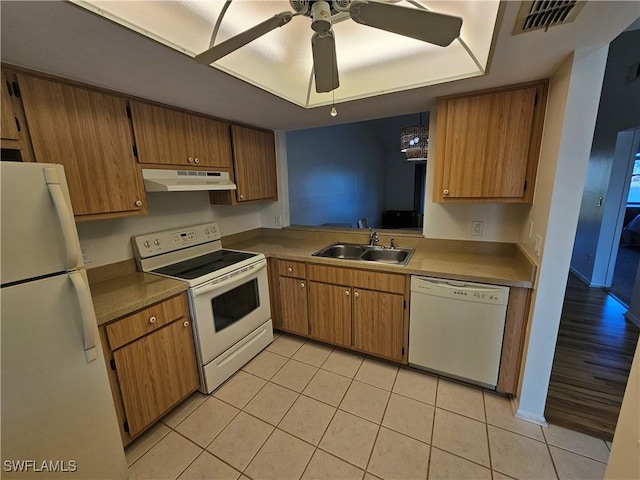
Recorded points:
(456,328)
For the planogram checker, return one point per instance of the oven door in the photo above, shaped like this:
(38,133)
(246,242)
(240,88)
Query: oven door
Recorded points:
(228,308)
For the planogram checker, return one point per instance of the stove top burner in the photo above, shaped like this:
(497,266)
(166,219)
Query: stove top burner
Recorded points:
(204,264)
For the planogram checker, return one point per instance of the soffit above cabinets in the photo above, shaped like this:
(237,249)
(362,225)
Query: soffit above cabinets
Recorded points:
(370,61)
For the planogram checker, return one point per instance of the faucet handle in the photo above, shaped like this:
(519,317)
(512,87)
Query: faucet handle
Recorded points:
(393,243)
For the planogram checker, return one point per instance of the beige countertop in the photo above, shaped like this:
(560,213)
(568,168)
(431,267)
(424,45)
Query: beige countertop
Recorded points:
(121,295)
(496,263)
(118,289)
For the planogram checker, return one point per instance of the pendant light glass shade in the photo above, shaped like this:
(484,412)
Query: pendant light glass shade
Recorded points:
(414,141)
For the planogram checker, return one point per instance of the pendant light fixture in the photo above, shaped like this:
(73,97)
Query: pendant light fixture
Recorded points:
(414,141)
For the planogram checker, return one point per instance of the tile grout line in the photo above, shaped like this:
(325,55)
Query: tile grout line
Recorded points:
(486,429)
(433,425)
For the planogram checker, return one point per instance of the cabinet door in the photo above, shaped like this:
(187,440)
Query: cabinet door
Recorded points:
(155,373)
(9,129)
(293,304)
(255,164)
(484,144)
(330,313)
(88,133)
(210,141)
(161,134)
(378,320)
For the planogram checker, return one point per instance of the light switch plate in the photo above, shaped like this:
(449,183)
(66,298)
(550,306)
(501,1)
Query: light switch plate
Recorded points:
(476,228)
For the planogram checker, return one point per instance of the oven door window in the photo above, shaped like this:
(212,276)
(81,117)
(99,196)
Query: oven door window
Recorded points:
(235,304)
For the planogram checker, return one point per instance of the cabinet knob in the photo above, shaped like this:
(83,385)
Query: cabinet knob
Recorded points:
(241,197)
(186,323)
(347,293)
(152,320)
(301,284)
(356,294)
(289,269)
(445,191)
(197,160)
(190,160)
(138,203)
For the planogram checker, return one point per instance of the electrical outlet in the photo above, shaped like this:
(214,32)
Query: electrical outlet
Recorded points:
(87,257)
(278,220)
(531,229)
(537,244)
(476,228)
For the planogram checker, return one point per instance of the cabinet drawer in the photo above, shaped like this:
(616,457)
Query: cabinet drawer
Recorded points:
(386,282)
(291,269)
(135,326)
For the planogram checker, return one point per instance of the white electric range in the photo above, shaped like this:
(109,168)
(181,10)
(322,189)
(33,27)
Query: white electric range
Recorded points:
(228,295)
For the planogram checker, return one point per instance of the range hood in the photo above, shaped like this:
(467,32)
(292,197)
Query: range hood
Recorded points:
(185,180)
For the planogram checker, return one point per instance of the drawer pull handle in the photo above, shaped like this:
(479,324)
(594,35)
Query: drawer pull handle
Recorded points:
(346,292)
(302,284)
(190,159)
(152,320)
(356,294)
(186,324)
(197,160)
(289,269)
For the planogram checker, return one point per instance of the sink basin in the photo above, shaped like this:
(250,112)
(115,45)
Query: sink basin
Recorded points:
(352,251)
(345,251)
(395,255)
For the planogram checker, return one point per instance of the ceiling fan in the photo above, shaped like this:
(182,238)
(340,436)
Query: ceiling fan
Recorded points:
(437,28)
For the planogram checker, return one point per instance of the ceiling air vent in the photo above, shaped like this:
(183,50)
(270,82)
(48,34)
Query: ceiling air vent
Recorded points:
(537,14)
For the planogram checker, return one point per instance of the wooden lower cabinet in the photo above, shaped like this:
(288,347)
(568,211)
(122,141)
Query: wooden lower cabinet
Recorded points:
(330,313)
(357,309)
(155,369)
(294,315)
(378,323)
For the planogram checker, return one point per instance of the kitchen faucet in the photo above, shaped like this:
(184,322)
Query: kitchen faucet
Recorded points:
(373,237)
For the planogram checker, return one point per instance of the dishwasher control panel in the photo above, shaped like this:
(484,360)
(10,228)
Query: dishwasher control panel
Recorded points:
(459,290)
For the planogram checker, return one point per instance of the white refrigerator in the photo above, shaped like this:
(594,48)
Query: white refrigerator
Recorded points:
(57,412)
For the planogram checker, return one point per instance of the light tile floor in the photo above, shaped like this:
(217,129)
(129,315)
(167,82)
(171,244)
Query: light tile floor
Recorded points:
(304,410)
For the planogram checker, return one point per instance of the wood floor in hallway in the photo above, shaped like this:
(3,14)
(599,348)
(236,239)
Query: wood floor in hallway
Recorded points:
(592,361)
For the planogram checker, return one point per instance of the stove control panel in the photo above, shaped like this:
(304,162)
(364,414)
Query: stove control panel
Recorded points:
(152,244)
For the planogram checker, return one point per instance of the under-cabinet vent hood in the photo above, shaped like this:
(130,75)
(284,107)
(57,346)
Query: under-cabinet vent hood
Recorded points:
(185,180)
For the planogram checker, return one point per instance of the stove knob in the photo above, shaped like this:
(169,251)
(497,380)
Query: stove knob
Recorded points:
(213,228)
(206,230)
(147,244)
(156,242)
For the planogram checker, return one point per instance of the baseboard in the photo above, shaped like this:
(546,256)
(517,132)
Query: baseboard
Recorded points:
(632,318)
(526,416)
(584,279)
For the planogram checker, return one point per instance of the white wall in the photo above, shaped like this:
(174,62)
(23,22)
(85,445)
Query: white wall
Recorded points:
(569,125)
(502,222)
(618,111)
(279,210)
(110,240)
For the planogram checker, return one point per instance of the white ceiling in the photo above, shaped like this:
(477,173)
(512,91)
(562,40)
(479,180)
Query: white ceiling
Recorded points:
(63,39)
(280,62)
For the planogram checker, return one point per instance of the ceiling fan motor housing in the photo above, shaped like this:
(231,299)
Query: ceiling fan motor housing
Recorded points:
(321,14)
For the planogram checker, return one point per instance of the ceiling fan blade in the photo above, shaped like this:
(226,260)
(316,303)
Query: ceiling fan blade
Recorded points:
(232,44)
(437,28)
(325,66)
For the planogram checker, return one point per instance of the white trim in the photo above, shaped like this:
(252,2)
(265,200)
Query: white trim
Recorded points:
(585,279)
(632,318)
(526,416)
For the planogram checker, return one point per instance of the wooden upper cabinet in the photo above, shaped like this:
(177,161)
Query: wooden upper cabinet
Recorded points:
(254,167)
(170,137)
(89,133)
(487,145)
(9,127)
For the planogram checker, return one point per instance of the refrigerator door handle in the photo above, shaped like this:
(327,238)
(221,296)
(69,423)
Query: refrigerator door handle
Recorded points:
(65,216)
(89,323)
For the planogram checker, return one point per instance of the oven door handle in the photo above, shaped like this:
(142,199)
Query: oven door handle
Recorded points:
(208,287)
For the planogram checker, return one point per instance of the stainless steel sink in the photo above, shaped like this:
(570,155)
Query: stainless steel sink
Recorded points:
(352,251)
